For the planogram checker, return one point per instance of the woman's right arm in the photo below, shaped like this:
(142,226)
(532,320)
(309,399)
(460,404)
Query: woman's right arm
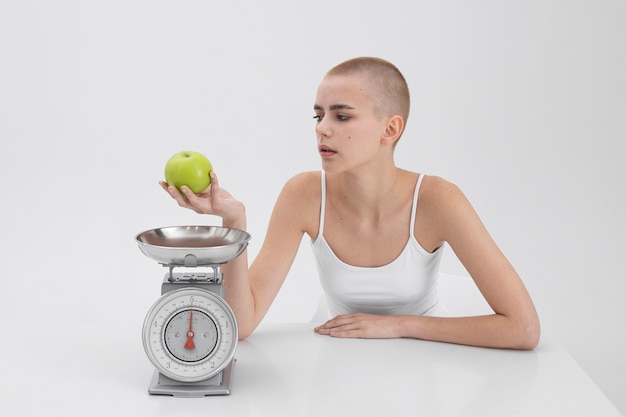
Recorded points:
(251,291)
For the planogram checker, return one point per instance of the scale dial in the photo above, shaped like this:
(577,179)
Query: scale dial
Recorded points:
(190,334)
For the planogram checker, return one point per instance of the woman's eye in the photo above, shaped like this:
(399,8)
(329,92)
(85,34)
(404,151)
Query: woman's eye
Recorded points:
(341,117)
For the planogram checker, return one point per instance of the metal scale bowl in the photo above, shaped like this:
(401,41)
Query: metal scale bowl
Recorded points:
(190,332)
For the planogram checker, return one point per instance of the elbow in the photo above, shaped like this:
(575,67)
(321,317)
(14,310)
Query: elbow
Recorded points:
(242,334)
(528,335)
(529,341)
(244,331)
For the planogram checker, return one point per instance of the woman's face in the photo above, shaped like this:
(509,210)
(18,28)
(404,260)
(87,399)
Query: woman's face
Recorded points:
(348,127)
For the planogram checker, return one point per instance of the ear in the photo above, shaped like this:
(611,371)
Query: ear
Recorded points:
(393,130)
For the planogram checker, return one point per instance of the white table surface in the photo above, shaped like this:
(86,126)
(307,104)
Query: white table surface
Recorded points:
(287,370)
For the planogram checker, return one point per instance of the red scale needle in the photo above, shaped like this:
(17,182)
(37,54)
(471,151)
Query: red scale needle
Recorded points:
(189,344)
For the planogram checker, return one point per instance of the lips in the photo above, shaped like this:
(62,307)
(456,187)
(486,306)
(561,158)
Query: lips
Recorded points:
(326,151)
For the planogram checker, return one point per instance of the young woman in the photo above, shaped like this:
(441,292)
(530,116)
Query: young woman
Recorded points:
(376,230)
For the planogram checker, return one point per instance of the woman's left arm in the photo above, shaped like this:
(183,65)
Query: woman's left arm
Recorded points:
(513,325)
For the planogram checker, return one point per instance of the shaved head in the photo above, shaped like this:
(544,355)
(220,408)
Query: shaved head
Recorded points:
(383,82)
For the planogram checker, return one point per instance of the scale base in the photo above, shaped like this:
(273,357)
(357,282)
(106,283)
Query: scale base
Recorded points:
(217,385)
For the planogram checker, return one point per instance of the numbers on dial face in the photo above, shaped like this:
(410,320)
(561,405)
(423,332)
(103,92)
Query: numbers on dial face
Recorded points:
(190,334)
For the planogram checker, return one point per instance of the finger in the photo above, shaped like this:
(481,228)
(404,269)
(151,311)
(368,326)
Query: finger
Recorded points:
(173,191)
(339,320)
(346,330)
(189,199)
(165,187)
(180,198)
(188,194)
(354,333)
(215,186)
(339,323)
(214,181)
(325,326)
(216,194)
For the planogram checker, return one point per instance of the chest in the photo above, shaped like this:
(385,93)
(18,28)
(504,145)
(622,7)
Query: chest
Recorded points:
(367,242)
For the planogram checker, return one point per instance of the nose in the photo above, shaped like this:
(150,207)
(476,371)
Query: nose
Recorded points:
(322,128)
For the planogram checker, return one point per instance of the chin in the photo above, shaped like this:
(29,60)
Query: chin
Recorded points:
(331,168)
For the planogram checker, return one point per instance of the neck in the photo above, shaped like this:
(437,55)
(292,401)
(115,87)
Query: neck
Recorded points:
(367,192)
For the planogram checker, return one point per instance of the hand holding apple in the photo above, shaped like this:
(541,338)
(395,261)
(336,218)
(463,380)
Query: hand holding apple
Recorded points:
(213,200)
(188,168)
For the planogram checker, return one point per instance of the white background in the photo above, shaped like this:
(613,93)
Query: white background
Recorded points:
(520,103)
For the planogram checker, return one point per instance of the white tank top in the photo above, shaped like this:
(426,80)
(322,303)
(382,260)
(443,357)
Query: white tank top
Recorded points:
(407,285)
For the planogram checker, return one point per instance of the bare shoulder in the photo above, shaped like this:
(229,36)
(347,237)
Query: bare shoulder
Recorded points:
(300,200)
(302,188)
(439,193)
(443,209)
(304,181)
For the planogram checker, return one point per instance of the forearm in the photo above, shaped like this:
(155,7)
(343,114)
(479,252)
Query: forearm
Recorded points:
(496,330)
(239,295)
(237,289)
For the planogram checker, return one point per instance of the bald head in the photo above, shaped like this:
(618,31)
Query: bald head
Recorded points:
(383,82)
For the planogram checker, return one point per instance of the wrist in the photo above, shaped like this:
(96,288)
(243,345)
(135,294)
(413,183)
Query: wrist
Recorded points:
(405,326)
(237,220)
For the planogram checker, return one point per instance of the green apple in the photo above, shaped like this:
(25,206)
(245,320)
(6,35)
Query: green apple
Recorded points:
(188,168)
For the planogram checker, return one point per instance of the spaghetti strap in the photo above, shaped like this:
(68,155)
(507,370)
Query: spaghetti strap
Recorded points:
(414,206)
(320,232)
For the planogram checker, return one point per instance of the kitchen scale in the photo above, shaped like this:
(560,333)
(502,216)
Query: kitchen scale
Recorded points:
(190,332)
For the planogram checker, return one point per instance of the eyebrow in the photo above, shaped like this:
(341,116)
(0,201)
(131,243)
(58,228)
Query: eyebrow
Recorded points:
(334,107)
